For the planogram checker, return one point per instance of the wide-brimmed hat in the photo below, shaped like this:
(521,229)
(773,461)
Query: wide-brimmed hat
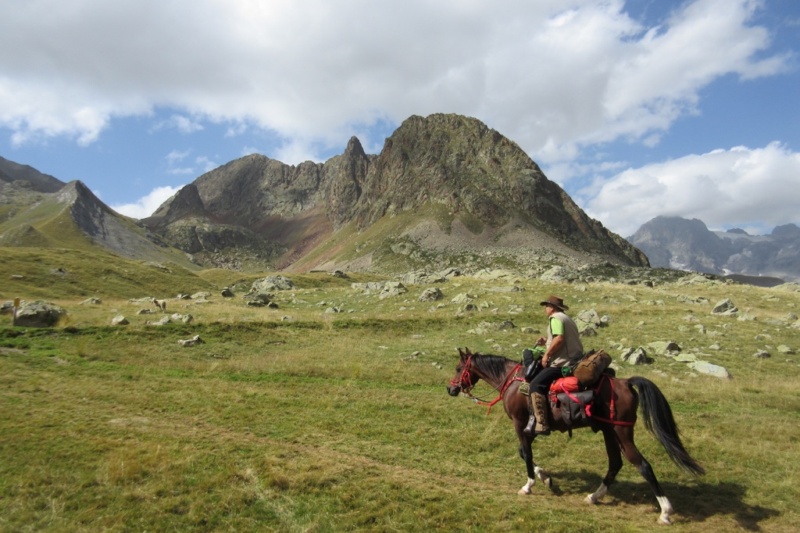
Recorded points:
(556,302)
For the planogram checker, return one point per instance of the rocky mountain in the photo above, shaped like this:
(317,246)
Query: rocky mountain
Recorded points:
(16,176)
(678,243)
(443,185)
(37,210)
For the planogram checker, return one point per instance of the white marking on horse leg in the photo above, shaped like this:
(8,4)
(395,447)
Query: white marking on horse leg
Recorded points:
(526,489)
(666,510)
(597,495)
(542,475)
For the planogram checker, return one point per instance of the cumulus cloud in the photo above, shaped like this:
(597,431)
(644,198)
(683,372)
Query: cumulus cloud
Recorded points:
(553,75)
(751,188)
(147,205)
(562,78)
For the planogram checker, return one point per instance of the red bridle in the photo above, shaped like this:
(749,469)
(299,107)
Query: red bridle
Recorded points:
(465,376)
(464,380)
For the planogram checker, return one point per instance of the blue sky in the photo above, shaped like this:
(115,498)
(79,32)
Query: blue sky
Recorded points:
(638,108)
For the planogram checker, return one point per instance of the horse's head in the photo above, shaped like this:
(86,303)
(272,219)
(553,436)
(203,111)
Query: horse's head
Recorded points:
(464,378)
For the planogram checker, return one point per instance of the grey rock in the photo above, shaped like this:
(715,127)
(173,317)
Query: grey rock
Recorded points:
(39,314)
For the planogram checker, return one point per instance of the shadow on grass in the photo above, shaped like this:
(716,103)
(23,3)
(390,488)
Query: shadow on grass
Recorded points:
(696,502)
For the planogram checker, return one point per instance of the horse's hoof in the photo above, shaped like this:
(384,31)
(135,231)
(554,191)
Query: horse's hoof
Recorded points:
(664,520)
(590,500)
(524,492)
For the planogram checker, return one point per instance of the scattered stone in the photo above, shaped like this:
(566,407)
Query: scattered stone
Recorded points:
(39,314)
(194,341)
(725,308)
(667,348)
(272,283)
(636,356)
(431,294)
(177,317)
(258,299)
(91,301)
(692,299)
(709,369)
(762,354)
(786,349)
(559,274)
(226,293)
(119,320)
(462,298)
(392,288)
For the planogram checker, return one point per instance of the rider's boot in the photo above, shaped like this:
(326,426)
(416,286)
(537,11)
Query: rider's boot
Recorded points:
(531,419)
(540,412)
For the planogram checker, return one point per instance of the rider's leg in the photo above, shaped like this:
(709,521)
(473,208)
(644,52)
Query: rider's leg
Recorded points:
(539,387)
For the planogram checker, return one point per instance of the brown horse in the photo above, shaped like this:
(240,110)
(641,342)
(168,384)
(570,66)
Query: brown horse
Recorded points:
(613,412)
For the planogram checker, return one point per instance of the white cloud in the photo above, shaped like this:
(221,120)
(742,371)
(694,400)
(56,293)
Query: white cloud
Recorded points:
(180,123)
(744,187)
(147,205)
(553,75)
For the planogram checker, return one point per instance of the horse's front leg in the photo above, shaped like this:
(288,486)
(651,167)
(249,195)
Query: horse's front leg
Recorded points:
(534,472)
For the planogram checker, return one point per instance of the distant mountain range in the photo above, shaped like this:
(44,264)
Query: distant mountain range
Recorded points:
(679,243)
(445,191)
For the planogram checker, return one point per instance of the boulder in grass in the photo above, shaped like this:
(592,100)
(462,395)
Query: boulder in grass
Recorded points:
(39,314)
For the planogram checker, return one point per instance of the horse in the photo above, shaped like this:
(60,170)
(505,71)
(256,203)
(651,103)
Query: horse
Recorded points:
(613,412)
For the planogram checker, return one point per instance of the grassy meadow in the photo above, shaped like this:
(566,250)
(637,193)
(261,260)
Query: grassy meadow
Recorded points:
(298,419)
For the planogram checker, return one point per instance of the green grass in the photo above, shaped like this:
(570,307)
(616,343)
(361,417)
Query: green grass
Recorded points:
(293,419)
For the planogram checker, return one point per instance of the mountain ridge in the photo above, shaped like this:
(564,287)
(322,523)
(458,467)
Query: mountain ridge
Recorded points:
(688,244)
(477,175)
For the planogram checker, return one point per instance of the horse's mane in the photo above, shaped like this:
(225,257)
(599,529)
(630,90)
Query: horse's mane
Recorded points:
(491,365)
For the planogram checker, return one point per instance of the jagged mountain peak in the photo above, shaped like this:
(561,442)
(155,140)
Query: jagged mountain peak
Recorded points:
(471,171)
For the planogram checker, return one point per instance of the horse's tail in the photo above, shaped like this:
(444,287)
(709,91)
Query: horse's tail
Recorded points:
(659,421)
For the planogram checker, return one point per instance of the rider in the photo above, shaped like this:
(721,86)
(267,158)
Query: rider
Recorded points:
(563,348)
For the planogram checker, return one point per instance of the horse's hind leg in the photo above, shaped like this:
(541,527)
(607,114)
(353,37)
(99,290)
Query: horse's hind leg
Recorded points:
(633,455)
(614,466)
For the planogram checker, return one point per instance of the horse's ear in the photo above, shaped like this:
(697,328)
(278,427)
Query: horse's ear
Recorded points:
(468,352)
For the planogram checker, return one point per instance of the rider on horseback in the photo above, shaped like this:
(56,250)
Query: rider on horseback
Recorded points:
(563,349)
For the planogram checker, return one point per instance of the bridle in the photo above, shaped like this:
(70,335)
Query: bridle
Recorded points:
(464,379)
(464,382)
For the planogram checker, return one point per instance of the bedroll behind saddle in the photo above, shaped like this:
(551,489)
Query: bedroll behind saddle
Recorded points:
(591,367)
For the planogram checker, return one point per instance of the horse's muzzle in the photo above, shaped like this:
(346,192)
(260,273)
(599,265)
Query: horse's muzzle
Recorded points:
(453,390)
